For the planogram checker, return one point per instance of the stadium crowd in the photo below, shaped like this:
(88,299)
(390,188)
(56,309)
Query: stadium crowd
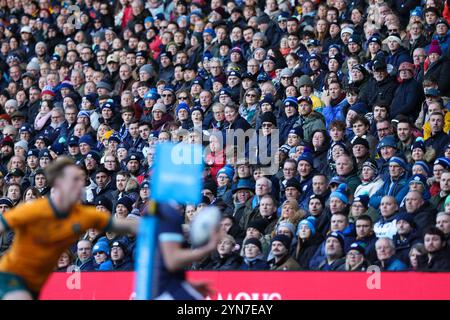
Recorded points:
(354,92)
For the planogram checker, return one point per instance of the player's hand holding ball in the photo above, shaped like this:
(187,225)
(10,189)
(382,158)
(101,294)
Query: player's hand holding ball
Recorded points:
(204,229)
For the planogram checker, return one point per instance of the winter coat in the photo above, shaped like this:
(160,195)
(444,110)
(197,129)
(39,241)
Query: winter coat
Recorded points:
(255,264)
(403,246)
(369,241)
(438,72)
(85,266)
(334,112)
(424,217)
(400,56)
(313,122)
(335,265)
(438,142)
(440,261)
(392,264)
(285,125)
(287,263)
(399,189)
(375,90)
(229,262)
(352,181)
(386,227)
(369,187)
(123,265)
(407,99)
(307,249)
(438,202)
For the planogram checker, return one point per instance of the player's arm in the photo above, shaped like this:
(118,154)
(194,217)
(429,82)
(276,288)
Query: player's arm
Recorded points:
(177,258)
(123,226)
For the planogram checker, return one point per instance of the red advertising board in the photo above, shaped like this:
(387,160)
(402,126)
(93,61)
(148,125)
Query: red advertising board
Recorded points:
(285,285)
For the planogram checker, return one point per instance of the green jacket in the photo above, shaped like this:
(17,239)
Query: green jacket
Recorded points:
(438,202)
(353,181)
(314,121)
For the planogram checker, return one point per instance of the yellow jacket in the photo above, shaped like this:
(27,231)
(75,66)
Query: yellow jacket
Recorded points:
(427,128)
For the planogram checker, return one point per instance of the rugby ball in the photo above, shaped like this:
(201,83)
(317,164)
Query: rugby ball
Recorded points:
(203,224)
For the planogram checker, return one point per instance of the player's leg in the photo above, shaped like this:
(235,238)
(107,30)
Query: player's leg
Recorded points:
(18,295)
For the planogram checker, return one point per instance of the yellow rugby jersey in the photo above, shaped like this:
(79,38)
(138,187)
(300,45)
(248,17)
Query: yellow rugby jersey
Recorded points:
(42,234)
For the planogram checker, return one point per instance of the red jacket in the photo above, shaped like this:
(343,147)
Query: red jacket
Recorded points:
(217,161)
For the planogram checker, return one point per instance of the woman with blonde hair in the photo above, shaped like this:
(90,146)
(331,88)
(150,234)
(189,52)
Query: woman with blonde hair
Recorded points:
(290,212)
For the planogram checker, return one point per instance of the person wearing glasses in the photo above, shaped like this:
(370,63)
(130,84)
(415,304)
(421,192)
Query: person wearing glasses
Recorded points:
(355,259)
(249,108)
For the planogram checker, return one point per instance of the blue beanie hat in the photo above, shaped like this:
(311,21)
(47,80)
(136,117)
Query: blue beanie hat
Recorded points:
(341,193)
(388,141)
(183,105)
(207,54)
(416,12)
(359,108)
(101,246)
(127,202)
(425,167)
(290,102)
(66,85)
(306,156)
(228,170)
(399,161)
(151,94)
(83,113)
(210,31)
(310,222)
(418,178)
(443,162)
(86,139)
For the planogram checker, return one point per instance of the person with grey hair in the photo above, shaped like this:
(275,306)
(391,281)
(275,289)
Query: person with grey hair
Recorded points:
(443,223)
(387,261)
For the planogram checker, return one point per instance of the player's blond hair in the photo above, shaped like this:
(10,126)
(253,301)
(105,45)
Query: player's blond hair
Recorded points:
(55,169)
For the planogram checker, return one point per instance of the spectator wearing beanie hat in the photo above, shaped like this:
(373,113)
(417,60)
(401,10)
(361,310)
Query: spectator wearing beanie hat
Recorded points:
(183,115)
(291,116)
(334,251)
(308,240)
(339,199)
(359,206)
(396,183)
(397,54)
(224,181)
(280,248)
(370,180)
(101,251)
(407,235)
(253,256)
(306,87)
(309,119)
(123,207)
(355,259)
(437,68)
